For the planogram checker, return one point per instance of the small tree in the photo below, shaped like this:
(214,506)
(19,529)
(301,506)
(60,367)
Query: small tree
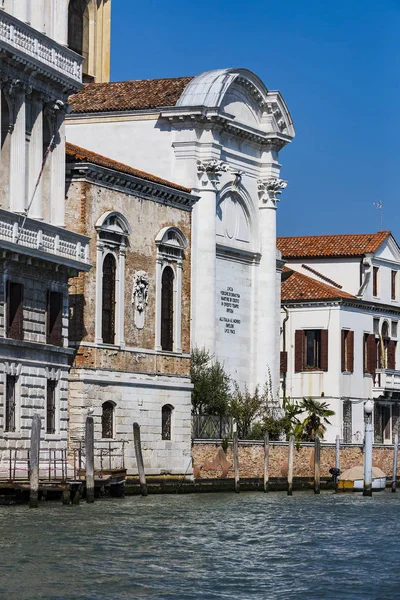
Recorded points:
(211,390)
(245,408)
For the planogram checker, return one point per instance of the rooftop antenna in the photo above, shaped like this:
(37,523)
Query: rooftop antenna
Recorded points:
(379,206)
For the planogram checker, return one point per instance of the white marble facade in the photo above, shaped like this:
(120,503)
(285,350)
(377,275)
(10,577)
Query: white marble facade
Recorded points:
(222,138)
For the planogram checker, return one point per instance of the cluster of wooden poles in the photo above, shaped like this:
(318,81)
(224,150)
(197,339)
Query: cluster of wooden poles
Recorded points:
(317,463)
(89,467)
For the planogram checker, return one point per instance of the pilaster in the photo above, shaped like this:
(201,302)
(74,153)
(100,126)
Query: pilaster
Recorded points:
(99,290)
(204,255)
(269,189)
(120,341)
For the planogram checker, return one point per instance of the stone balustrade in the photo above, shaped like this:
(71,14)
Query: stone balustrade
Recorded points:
(386,380)
(35,236)
(26,40)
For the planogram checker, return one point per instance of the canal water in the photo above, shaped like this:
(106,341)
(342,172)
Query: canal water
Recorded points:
(208,546)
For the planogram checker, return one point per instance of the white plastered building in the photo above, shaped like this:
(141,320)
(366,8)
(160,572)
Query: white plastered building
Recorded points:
(220,134)
(339,328)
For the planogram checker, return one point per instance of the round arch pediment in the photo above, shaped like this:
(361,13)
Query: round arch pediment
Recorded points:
(113,222)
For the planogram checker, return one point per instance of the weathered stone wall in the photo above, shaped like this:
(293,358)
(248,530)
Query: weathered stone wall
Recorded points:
(210,461)
(86,203)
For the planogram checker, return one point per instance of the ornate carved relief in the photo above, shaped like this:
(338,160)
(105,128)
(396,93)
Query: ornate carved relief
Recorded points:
(211,171)
(140,293)
(270,189)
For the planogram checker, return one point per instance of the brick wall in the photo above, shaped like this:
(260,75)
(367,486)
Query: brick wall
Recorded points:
(210,461)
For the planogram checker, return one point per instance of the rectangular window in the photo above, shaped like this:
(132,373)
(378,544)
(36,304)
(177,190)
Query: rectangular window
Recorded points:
(51,406)
(370,353)
(311,350)
(394,329)
(9,420)
(347,351)
(15,310)
(54,318)
(375,282)
(394,285)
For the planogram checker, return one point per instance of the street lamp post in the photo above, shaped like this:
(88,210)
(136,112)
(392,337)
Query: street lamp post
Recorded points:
(368,408)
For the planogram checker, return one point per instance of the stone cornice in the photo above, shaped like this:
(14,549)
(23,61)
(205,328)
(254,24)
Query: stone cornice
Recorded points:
(237,255)
(273,140)
(346,302)
(131,184)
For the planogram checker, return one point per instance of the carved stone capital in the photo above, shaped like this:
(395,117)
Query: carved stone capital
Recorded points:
(270,189)
(211,171)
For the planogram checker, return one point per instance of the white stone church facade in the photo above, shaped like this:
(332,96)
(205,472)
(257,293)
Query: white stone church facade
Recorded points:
(220,134)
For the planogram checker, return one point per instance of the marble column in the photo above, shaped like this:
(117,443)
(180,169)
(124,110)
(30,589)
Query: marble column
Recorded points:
(18,154)
(178,309)
(120,337)
(35,160)
(57,185)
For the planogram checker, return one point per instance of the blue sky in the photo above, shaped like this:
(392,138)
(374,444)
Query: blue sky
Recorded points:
(337,65)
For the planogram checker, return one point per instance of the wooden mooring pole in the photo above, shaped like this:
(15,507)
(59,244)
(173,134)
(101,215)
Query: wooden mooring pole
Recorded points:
(317,468)
(290,466)
(139,458)
(395,455)
(266,462)
(236,458)
(89,447)
(34,462)
(337,461)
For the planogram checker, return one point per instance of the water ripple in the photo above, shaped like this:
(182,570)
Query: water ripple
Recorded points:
(211,546)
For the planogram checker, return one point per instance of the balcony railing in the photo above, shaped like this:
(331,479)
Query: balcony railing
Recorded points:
(36,238)
(386,380)
(33,44)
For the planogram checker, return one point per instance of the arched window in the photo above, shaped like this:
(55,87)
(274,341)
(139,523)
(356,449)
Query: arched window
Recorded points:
(108,300)
(171,244)
(78,29)
(166,420)
(167,309)
(107,420)
(113,231)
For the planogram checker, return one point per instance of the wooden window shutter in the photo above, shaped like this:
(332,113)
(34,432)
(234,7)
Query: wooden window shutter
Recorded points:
(299,350)
(15,310)
(324,350)
(371,354)
(350,351)
(54,318)
(391,354)
(283,361)
(343,350)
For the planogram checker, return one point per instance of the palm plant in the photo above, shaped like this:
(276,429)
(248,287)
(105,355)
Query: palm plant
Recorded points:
(315,421)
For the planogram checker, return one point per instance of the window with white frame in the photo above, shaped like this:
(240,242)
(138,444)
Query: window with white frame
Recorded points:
(113,231)
(171,245)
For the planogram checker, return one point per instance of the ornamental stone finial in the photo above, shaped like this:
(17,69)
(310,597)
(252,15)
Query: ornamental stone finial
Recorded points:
(270,189)
(212,170)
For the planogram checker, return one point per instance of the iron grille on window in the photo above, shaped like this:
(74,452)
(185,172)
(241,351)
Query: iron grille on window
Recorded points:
(10,403)
(108,316)
(167,309)
(166,422)
(107,420)
(51,406)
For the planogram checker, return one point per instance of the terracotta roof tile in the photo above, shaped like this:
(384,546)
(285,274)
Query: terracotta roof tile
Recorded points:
(296,286)
(78,154)
(128,95)
(352,244)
